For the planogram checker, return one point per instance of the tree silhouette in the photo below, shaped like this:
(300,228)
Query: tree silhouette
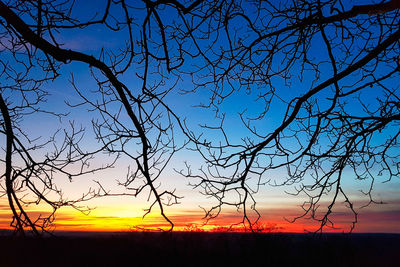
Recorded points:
(341,112)
(148,160)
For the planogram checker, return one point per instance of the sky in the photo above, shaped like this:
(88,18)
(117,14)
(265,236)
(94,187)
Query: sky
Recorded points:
(125,213)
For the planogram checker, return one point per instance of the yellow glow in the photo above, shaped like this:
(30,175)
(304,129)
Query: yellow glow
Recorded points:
(126,217)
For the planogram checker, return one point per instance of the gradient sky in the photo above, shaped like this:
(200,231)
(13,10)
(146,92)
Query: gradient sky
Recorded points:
(125,213)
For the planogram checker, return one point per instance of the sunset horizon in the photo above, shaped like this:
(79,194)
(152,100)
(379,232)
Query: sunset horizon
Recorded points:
(199,133)
(214,116)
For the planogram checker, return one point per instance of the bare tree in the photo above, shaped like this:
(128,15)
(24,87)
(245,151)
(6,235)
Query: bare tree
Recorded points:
(145,138)
(341,109)
(331,68)
(28,178)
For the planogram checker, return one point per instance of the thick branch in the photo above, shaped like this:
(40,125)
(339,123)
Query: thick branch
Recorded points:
(64,55)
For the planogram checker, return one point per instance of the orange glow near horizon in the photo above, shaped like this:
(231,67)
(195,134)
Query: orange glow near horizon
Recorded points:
(122,221)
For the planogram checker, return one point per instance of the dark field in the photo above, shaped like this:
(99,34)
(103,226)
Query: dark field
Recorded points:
(202,249)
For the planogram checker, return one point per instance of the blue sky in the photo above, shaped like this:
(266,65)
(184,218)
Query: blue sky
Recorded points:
(269,198)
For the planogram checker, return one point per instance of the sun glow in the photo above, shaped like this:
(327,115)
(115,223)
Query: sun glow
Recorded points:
(119,216)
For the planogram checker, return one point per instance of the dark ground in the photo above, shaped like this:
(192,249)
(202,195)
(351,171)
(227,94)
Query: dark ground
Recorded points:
(202,249)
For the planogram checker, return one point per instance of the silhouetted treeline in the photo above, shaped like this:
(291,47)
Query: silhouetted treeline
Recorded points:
(202,249)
